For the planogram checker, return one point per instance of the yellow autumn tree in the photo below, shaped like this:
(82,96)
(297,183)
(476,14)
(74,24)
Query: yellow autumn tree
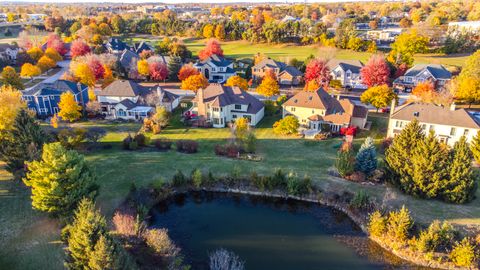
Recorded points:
(53,54)
(237,81)
(29,70)
(312,86)
(69,109)
(194,82)
(142,67)
(45,63)
(84,74)
(268,87)
(10,104)
(35,53)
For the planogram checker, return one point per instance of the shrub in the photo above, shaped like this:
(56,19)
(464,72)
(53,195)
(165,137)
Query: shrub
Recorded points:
(377,224)
(126,142)
(223,259)
(133,145)
(125,224)
(463,254)
(297,186)
(141,139)
(360,200)
(94,134)
(399,225)
(71,138)
(345,162)
(160,242)
(163,144)
(286,126)
(179,179)
(278,179)
(437,235)
(197,178)
(230,150)
(187,146)
(250,143)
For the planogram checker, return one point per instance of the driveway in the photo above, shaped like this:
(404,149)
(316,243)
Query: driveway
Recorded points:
(64,65)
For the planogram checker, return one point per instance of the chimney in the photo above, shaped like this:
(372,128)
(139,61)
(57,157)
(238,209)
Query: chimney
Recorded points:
(392,106)
(200,104)
(453,106)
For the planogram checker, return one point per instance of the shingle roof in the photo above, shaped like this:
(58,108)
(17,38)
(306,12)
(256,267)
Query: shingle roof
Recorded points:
(270,63)
(293,71)
(353,65)
(117,44)
(56,88)
(433,114)
(124,88)
(128,103)
(218,61)
(220,96)
(4,46)
(127,57)
(141,46)
(437,71)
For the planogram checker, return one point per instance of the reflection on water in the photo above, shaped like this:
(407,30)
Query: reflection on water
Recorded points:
(269,233)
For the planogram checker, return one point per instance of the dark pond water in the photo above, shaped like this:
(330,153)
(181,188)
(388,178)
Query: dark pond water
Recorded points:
(268,233)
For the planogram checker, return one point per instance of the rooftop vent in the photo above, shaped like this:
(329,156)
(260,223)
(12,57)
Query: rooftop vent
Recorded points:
(295,100)
(416,114)
(310,98)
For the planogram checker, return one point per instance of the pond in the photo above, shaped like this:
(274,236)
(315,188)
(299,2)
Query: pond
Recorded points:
(268,233)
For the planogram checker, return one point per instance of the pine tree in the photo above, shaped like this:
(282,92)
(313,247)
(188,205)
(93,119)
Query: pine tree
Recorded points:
(102,257)
(345,162)
(399,224)
(22,143)
(398,155)
(475,147)
(59,180)
(82,236)
(174,65)
(366,159)
(461,185)
(429,162)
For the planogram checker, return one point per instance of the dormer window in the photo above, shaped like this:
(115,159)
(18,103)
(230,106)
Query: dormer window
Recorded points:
(238,107)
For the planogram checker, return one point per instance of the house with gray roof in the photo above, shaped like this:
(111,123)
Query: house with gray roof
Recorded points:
(44,98)
(126,99)
(139,47)
(437,74)
(116,46)
(8,53)
(347,72)
(128,61)
(448,123)
(218,104)
(216,68)
(286,75)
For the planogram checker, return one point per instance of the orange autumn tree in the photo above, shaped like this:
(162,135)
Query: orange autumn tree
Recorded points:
(425,91)
(269,86)
(187,71)
(312,86)
(237,81)
(194,82)
(29,70)
(69,109)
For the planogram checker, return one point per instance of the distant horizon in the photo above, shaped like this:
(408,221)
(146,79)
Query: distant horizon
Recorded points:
(192,1)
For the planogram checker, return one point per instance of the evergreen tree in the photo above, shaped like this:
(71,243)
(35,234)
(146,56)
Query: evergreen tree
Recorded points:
(102,256)
(82,236)
(475,147)
(22,143)
(461,185)
(345,162)
(398,155)
(366,159)
(429,160)
(59,180)
(399,225)
(174,65)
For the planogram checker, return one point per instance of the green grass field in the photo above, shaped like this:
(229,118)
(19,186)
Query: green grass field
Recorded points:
(30,240)
(285,52)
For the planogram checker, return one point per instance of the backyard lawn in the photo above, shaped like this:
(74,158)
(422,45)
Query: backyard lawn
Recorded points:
(25,231)
(285,52)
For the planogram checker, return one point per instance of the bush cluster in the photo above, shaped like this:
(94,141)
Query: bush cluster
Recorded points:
(163,144)
(230,150)
(187,146)
(133,143)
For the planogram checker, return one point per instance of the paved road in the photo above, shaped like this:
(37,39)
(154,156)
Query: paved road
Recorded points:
(64,65)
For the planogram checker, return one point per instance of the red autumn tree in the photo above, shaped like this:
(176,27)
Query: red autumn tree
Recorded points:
(400,70)
(376,71)
(56,43)
(79,48)
(212,47)
(318,71)
(96,67)
(187,71)
(158,71)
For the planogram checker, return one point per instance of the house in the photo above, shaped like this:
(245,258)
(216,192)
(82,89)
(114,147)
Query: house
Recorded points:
(435,73)
(127,99)
(141,46)
(116,46)
(471,27)
(449,124)
(44,98)
(8,53)
(347,72)
(287,75)
(316,109)
(128,61)
(216,68)
(218,104)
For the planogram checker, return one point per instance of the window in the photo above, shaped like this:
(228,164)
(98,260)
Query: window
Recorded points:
(398,124)
(238,107)
(313,111)
(215,109)
(453,131)
(234,116)
(121,113)
(349,74)
(408,79)
(465,132)
(52,97)
(424,127)
(216,121)
(432,128)
(293,109)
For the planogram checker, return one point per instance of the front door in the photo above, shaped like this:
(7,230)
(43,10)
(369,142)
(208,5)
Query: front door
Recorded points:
(207,74)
